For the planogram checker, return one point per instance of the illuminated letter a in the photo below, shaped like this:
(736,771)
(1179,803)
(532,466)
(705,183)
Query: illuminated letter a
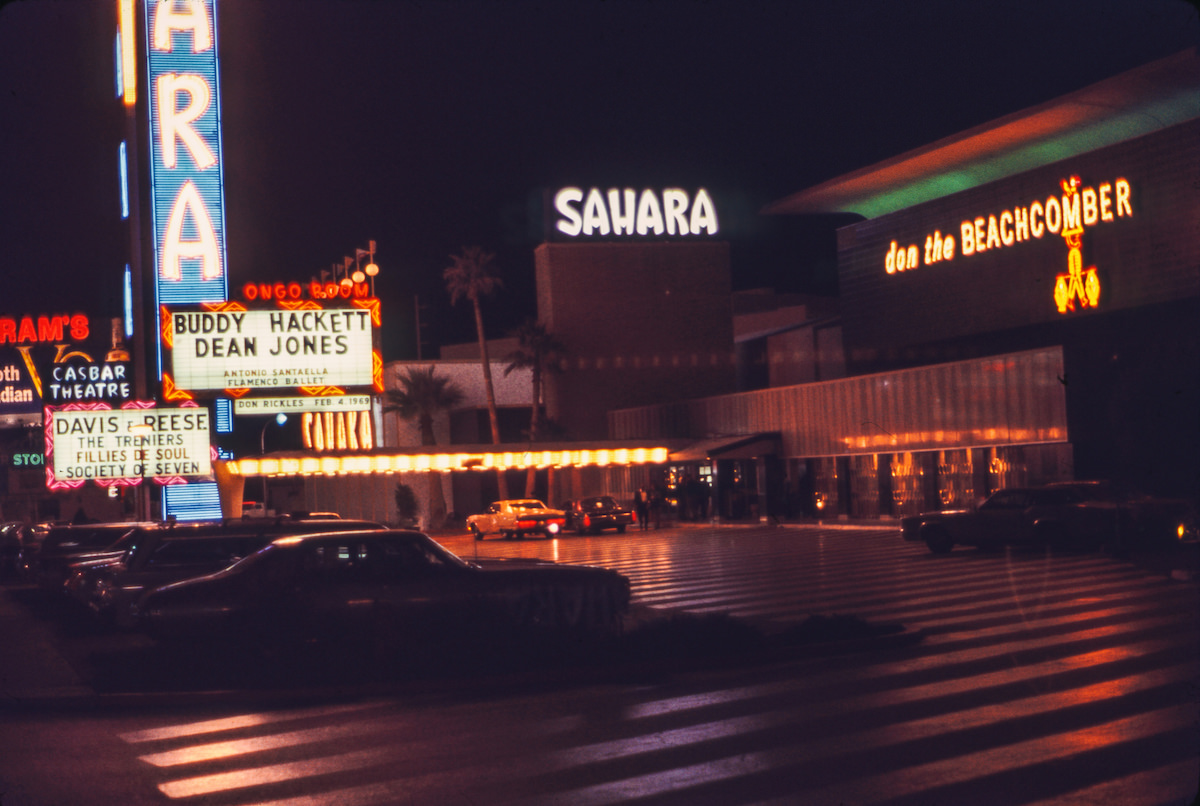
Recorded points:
(195,19)
(204,248)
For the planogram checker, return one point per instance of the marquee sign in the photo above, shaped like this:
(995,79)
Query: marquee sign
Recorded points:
(299,405)
(299,347)
(120,447)
(49,360)
(1068,215)
(315,290)
(625,212)
(185,151)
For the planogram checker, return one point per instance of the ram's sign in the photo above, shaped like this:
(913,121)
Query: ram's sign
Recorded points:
(322,350)
(91,442)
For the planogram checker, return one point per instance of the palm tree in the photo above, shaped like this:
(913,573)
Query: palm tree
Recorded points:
(422,395)
(538,350)
(471,275)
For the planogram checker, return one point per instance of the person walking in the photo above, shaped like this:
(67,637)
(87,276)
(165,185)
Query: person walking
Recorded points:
(641,506)
(658,499)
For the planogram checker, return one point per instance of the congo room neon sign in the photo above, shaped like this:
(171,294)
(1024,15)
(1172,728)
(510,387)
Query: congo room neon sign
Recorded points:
(185,151)
(1067,215)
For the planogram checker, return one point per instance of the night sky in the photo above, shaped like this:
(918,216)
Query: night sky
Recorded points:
(429,126)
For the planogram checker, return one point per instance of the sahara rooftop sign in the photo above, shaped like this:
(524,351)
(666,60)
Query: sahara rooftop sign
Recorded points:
(1067,215)
(625,212)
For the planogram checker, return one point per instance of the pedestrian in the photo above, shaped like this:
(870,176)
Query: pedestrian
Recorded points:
(657,499)
(641,506)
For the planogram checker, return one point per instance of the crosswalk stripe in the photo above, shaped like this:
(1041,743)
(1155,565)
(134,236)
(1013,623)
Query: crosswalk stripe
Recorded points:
(234,722)
(273,773)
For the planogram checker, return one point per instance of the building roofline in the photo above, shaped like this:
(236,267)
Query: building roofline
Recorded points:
(1146,99)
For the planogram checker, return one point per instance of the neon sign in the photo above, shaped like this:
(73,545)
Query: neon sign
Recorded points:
(30,330)
(1078,283)
(624,212)
(185,151)
(1068,215)
(121,447)
(299,345)
(313,290)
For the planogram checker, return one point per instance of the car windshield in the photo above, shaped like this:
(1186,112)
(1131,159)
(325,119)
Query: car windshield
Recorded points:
(289,553)
(1006,499)
(600,502)
(1054,497)
(528,505)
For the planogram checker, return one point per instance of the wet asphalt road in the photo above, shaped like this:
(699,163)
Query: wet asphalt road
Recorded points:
(1037,678)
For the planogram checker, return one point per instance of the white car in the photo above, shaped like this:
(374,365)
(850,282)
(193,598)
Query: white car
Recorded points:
(517,518)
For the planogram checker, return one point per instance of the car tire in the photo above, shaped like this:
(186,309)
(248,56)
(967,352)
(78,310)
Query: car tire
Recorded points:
(621,529)
(938,540)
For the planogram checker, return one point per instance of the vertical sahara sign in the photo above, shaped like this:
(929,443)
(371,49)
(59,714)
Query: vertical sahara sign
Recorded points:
(188,205)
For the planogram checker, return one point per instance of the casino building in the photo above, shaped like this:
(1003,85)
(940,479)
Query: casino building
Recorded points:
(1018,304)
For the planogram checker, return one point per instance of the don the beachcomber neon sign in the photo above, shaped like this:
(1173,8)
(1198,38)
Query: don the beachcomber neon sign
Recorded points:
(1067,213)
(185,151)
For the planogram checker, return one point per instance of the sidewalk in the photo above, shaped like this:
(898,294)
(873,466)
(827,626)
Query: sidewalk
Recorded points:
(31,666)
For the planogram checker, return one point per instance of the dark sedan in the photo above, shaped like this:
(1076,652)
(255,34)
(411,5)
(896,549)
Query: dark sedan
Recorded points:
(597,513)
(1065,515)
(392,586)
(155,555)
(47,556)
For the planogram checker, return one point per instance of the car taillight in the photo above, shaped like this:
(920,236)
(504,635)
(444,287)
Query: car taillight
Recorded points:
(526,524)
(587,521)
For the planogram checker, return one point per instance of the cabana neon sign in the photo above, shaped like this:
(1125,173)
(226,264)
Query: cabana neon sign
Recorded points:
(185,151)
(1067,215)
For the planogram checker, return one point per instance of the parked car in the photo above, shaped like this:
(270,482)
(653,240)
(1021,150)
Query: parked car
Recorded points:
(10,547)
(390,585)
(597,513)
(1067,514)
(155,555)
(1146,521)
(51,549)
(517,518)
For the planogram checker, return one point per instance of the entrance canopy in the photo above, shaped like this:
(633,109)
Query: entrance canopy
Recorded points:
(744,446)
(418,459)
